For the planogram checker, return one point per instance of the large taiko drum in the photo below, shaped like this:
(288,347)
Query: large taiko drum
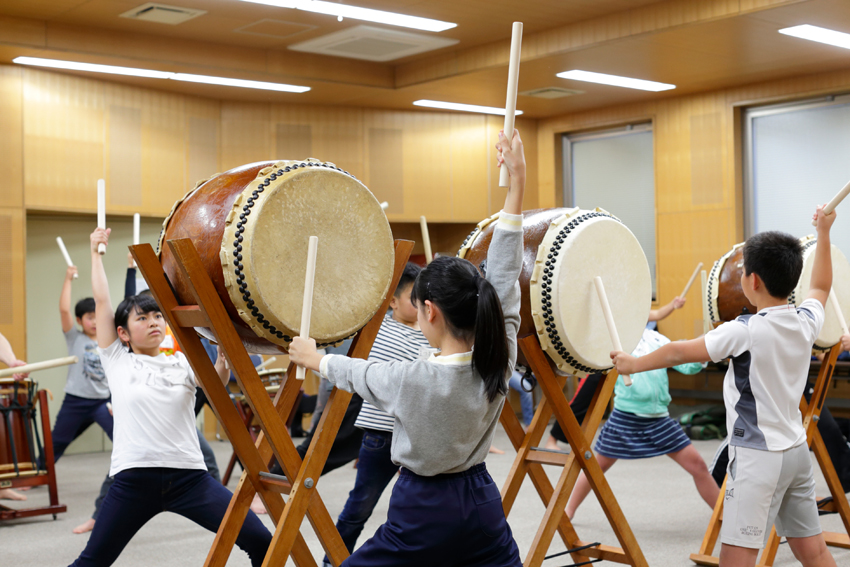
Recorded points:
(251,227)
(18,441)
(725,299)
(564,249)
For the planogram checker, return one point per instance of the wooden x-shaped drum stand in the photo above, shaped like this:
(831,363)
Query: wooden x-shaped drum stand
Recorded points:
(529,460)
(301,476)
(811,416)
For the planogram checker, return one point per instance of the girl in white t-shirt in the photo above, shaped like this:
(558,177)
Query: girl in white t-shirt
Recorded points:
(156,460)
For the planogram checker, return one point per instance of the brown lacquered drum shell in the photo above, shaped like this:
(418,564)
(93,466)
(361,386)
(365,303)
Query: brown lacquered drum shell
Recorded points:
(251,226)
(731,301)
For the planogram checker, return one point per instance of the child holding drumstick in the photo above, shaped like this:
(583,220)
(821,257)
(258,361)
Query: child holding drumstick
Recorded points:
(156,460)
(7,357)
(770,474)
(446,408)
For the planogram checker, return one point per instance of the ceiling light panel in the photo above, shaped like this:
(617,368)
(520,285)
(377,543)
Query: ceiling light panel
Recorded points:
(615,80)
(151,74)
(820,35)
(463,107)
(358,13)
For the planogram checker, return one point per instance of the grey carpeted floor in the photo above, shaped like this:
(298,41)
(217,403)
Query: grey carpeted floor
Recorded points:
(657,497)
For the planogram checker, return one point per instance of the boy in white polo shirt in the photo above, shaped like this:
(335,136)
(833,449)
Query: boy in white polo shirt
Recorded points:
(770,474)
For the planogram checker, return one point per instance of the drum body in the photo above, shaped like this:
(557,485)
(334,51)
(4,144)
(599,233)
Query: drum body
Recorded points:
(564,249)
(17,441)
(251,227)
(725,298)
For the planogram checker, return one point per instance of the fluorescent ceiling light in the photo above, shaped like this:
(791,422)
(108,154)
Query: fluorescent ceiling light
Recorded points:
(91,67)
(463,107)
(615,81)
(357,13)
(282,87)
(133,72)
(821,35)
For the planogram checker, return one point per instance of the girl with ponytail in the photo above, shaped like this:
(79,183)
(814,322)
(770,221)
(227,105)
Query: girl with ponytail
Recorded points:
(445,509)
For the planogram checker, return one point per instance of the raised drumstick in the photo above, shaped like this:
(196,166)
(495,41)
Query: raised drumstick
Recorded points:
(64,251)
(269,361)
(834,301)
(609,320)
(385,206)
(101,212)
(827,210)
(691,281)
(307,306)
(706,324)
(36,366)
(426,240)
(510,104)
(136,226)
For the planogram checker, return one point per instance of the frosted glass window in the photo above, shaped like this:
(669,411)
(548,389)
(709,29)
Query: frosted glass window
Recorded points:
(799,158)
(615,171)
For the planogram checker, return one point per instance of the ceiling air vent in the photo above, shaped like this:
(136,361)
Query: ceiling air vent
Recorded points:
(551,92)
(372,44)
(162,14)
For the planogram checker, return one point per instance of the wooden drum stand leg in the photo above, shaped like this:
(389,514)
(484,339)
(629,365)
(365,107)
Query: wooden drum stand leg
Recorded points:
(274,440)
(811,416)
(530,459)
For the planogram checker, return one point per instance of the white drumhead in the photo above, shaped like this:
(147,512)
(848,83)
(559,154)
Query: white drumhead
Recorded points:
(583,245)
(831,332)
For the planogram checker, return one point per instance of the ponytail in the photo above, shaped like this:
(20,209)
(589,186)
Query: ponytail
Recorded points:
(473,313)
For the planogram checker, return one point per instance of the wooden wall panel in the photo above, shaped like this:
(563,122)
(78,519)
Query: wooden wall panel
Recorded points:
(293,141)
(246,134)
(11,143)
(13,278)
(469,166)
(124,164)
(203,149)
(386,167)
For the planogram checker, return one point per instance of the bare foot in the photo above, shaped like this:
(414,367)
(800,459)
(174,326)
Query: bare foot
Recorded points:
(85,527)
(9,494)
(257,506)
(552,444)
(496,450)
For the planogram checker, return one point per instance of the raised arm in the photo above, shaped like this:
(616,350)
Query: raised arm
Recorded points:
(104,316)
(512,156)
(7,356)
(671,354)
(65,314)
(130,280)
(821,281)
(664,312)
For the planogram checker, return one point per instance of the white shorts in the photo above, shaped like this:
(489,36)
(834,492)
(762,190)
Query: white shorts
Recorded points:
(763,487)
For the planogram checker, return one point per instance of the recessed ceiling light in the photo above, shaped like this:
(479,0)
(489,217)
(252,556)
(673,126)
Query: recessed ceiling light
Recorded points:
(91,67)
(282,87)
(357,13)
(615,80)
(148,73)
(821,35)
(463,107)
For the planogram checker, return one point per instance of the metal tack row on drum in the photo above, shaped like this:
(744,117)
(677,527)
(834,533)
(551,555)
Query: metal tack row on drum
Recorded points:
(724,299)
(564,250)
(251,225)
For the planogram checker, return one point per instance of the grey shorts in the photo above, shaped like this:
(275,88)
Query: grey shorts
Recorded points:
(763,487)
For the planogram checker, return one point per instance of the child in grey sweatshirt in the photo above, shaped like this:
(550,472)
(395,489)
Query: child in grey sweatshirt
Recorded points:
(445,508)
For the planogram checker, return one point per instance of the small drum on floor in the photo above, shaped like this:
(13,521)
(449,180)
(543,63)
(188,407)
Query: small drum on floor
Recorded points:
(564,249)
(19,444)
(251,226)
(725,300)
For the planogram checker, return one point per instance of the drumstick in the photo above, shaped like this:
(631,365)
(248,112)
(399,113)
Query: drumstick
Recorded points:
(609,320)
(510,104)
(691,281)
(834,202)
(706,324)
(101,212)
(426,240)
(35,366)
(136,222)
(834,300)
(307,306)
(266,363)
(64,251)
(385,206)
